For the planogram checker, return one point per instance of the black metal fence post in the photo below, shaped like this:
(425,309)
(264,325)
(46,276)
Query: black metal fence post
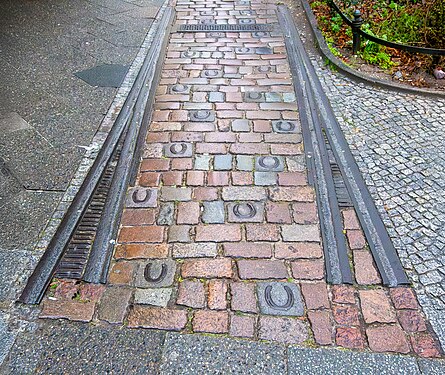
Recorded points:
(356,24)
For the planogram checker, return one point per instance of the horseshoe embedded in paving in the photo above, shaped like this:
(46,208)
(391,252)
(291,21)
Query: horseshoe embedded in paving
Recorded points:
(136,198)
(244,210)
(149,278)
(269,300)
(269,162)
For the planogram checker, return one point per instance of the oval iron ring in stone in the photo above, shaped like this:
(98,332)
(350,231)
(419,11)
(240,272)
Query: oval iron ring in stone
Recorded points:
(211,73)
(269,162)
(179,88)
(264,68)
(188,53)
(285,126)
(245,21)
(259,34)
(136,199)
(242,50)
(216,34)
(254,95)
(201,115)
(244,210)
(149,278)
(178,148)
(269,300)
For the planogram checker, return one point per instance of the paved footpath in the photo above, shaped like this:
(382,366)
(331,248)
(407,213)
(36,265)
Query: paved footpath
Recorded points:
(220,234)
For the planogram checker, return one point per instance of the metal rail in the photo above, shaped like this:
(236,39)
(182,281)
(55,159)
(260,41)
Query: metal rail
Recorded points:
(41,277)
(96,270)
(338,270)
(311,94)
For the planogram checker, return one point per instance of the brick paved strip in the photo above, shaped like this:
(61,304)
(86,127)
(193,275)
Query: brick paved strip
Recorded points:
(159,318)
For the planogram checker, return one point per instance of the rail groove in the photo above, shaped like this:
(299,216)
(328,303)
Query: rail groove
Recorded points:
(322,135)
(128,123)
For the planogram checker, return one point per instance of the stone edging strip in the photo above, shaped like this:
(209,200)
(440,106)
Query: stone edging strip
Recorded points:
(352,73)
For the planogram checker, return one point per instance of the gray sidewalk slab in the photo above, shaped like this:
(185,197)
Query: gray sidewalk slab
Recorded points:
(192,354)
(61,348)
(323,361)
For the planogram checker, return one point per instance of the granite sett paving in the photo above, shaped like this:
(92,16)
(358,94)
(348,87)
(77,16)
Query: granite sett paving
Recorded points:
(229,245)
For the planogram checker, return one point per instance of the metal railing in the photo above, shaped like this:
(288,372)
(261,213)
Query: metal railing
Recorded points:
(357,33)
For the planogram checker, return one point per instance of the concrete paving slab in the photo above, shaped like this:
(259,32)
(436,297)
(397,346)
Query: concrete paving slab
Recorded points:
(23,216)
(6,337)
(13,266)
(431,366)
(58,348)
(187,354)
(323,361)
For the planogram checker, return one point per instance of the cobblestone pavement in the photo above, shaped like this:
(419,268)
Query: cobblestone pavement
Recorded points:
(397,140)
(220,234)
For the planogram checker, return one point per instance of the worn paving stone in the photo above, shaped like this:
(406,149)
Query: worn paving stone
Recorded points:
(213,212)
(387,338)
(166,214)
(376,306)
(285,330)
(222,162)
(276,298)
(179,233)
(244,162)
(262,269)
(176,194)
(154,297)
(68,309)
(156,317)
(243,193)
(303,233)
(114,304)
(243,297)
(321,327)
(194,250)
(191,293)
(265,178)
(315,295)
(240,126)
(211,321)
(242,326)
(207,268)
